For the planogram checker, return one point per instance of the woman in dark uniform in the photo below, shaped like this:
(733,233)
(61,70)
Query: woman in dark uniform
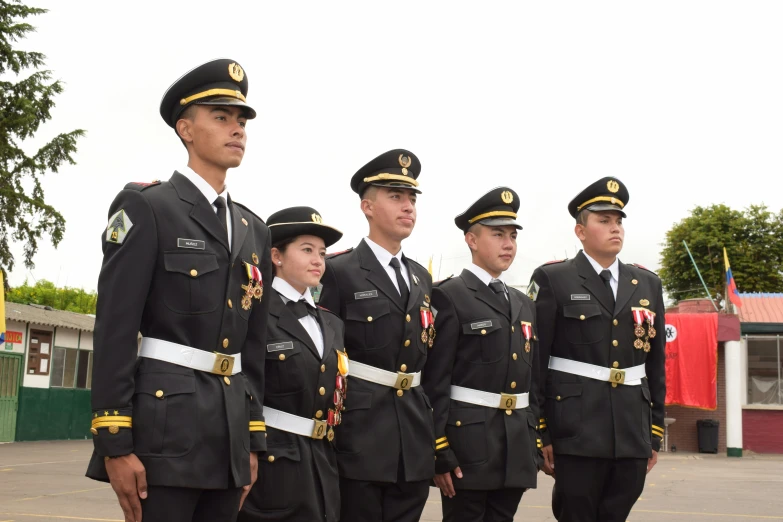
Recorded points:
(306,366)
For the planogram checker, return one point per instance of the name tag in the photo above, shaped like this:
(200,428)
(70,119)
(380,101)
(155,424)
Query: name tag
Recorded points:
(480,324)
(580,297)
(366,294)
(195,244)
(279,347)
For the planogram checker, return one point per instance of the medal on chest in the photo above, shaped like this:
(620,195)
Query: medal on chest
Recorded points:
(642,317)
(254,289)
(527,333)
(335,416)
(427,326)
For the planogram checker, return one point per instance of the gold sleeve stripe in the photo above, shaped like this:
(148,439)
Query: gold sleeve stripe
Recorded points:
(113,424)
(657,427)
(257,426)
(440,440)
(658,433)
(542,419)
(543,426)
(110,420)
(441,446)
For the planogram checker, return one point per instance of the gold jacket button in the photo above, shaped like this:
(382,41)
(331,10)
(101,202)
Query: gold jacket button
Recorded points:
(634,282)
(194,272)
(323,368)
(319,414)
(458,423)
(271,458)
(582,317)
(404,367)
(615,364)
(558,398)
(615,343)
(400,393)
(114,430)
(615,322)
(230,304)
(408,317)
(225,343)
(159,394)
(514,356)
(227,381)
(483,332)
(407,342)
(322,390)
(281,357)
(513,384)
(369,318)
(508,412)
(512,327)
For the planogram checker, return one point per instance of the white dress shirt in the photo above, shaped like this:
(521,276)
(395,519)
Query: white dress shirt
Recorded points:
(209,193)
(288,293)
(384,257)
(485,277)
(614,269)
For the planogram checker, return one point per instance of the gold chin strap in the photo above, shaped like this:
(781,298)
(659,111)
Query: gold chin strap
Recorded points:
(613,201)
(392,177)
(213,92)
(496,213)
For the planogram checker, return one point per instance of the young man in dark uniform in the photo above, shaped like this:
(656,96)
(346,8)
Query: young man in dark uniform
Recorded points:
(482,373)
(385,445)
(600,325)
(177,421)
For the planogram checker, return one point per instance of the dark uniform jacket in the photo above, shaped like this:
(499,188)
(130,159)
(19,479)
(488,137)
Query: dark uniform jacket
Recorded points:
(577,321)
(480,345)
(190,428)
(378,425)
(298,474)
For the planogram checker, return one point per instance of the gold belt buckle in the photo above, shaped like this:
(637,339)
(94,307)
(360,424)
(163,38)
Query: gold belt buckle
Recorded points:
(319,430)
(404,381)
(508,402)
(616,376)
(224,364)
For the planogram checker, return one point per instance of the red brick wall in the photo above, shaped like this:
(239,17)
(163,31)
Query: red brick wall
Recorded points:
(762,431)
(682,433)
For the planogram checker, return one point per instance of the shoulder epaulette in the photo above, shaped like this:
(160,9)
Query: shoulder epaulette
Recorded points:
(637,265)
(244,207)
(140,185)
(335,254)
(437,283)
(555,261)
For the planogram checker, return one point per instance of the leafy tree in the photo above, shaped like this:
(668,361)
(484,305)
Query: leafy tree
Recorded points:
(45,293)
(26,100)
(754,242)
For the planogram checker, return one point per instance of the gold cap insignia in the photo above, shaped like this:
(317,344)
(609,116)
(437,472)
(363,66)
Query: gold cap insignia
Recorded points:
(507,197)
(644,302)
(612,186)
(316,218)
(405,161)
(236,72)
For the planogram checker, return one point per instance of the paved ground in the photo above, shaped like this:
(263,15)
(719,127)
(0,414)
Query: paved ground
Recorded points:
(44,481)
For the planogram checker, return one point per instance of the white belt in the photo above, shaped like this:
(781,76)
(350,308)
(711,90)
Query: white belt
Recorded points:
(628,376)
(188,357)
(399,380)
(504,401)
(281,420)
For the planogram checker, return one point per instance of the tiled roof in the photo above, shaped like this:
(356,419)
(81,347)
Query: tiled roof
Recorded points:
(761,308)
(48,317)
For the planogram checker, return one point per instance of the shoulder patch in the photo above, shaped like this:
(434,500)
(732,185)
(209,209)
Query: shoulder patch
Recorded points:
(140,185)
(637,265)
(555,261)
(335,254)
(532,290)
(245,208)
(118,227)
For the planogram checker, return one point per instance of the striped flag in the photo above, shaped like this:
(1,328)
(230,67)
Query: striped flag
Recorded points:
(731,286)
(2,309)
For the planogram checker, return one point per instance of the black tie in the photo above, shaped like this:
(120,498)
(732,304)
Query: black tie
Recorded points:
(301,309)
(220,203)
(404,292)
(606,275)
(499,288)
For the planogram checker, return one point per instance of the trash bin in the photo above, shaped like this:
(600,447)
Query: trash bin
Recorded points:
(707,433)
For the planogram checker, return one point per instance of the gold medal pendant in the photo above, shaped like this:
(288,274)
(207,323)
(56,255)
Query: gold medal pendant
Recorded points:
(647,346)
(432,340)
(638,344)
(638,330)
(431,332)
(424,337)
(651,330)
(527,345)
(246,302)
(330,434)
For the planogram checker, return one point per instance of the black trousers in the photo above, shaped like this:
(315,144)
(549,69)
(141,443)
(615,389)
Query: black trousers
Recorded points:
(363,501)
(591,489)
(166,504)
(468,505)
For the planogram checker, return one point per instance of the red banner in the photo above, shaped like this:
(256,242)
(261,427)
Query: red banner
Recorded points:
(692,360)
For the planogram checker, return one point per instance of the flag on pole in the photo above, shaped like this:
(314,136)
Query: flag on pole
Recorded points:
(2,309)
(731,286)
(429,266)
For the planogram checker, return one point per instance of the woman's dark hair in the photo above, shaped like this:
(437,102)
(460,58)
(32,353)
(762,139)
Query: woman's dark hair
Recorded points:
(283,244)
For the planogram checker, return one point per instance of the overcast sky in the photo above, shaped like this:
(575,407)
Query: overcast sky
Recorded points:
(682,101)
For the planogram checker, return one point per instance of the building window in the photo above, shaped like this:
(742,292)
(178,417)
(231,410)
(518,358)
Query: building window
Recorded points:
(84,372)
(64,367)
(764,370)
